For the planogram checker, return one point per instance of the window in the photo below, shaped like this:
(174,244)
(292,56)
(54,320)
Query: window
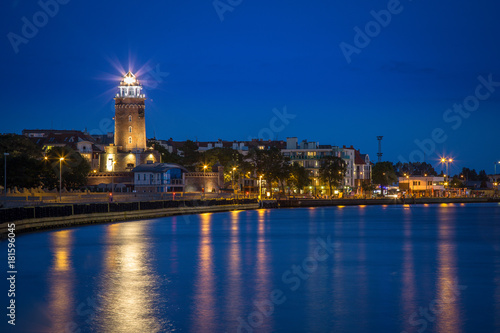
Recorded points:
(130,129)
(144,177)
(138,176)
(129,118)
(129,139)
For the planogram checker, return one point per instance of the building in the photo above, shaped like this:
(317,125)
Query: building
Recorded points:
(129,148)
(78,141)
(170,177)
(422,185)
(310,154)
(159,177)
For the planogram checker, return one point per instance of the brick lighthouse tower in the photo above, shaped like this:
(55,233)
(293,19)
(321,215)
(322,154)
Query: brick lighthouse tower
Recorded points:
(130,124)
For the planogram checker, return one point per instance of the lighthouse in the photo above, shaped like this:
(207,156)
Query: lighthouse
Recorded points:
(130,123)
(129,149)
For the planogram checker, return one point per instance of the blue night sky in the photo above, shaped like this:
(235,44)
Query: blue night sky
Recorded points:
(225,77)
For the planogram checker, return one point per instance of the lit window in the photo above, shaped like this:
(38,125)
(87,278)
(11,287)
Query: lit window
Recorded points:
(129,118)
(130,129)
(129,139)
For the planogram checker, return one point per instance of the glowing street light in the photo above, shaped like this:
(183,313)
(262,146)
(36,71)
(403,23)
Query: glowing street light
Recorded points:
(260,186)
(232,180)
(204,179)
(447,161)
(60,178)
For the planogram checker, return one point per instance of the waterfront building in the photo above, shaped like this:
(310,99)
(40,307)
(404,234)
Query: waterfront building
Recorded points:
(171,177)
(159,177)
(423,185)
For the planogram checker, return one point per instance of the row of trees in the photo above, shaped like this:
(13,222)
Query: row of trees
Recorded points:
(29,167)
(271,164)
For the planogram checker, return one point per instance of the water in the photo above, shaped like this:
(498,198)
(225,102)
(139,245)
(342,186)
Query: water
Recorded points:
(426,268)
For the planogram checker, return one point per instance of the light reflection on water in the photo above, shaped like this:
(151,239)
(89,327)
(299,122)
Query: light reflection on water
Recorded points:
(448,296)
(203,318)
(62,278)
(169,275)
(128,284)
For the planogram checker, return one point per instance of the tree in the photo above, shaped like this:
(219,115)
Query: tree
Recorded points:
(332,171)
(165,155)
(191,155)
(75,168)
(19,145)
(299,177)
(272,165)
(23,162)
(383,173)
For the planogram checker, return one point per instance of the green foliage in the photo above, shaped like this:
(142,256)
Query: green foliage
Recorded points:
(299,177)
(414,168)
(23,162)
(17,145)
(332,171)
(75,168)
(227,157)
(166,156)
(191,155)
(23,171)
(383,173)
(272,165)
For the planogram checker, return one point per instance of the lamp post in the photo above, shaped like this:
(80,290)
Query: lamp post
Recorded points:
(232,181)
(447,161)
(260,186)
(426,182)
(496,166)
(60,178)
(5,176)
(204,179)
(112,179)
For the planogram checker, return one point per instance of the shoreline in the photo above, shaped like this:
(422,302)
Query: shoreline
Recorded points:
(47,223)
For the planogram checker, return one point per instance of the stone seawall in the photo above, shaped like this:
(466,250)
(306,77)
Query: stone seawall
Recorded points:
(75,220)
(361,202)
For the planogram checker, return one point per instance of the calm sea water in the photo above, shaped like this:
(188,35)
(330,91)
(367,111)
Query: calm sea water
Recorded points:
(419,268)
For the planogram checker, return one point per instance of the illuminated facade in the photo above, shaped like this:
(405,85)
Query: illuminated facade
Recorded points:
(130,123)
(129,149)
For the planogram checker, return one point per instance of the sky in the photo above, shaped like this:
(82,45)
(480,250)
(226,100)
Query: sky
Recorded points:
(423,74)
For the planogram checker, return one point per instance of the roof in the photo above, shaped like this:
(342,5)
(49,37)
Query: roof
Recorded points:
(158,167)
(58,137)
(358,159)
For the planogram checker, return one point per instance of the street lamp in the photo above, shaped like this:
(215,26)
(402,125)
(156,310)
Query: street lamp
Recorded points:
(112,178)
(496,166)
(232,180)
(426,183)
(447,161)
(408,177)
(5,176)
(260,185)
(60,178)
(204,179)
